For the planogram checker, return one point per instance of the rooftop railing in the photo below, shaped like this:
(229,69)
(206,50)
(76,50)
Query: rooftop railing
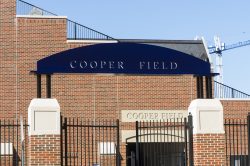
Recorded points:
(224,91)
(75,31)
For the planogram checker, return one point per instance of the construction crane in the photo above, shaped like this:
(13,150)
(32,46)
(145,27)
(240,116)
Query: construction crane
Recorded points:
(218,48)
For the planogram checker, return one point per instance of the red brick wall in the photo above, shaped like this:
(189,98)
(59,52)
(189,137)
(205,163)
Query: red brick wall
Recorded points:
(91,95)
(37,38)
(236,109)
(7,56)
(44,150)
(209,149)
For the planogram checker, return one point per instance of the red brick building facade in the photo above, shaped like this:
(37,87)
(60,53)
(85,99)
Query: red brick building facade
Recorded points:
(25,39)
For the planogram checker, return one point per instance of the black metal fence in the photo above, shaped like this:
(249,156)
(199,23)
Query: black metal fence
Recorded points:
(13,145)
(90,143)
(161,143)
(224,91)
(237,142)
(75,31)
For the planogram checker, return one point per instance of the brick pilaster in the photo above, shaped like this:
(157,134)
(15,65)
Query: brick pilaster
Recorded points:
(209,149)
(44,150)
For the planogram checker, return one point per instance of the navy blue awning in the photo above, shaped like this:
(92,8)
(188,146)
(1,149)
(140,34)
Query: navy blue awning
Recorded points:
(123,58)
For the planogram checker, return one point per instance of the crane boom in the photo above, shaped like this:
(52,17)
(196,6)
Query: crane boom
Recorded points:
(217,49)
(214,49)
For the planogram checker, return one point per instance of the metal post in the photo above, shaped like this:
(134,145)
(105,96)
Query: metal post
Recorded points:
(137,146)
(48,86)
(185,136)
(61,138)
(232,92)
(39,85)
(118,144)
(66,141)
(190,133)
(75,31)
(248,129)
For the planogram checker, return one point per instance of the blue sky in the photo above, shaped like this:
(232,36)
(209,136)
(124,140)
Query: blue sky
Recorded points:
(165,19)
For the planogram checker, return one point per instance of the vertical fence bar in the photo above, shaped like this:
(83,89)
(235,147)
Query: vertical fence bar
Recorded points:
(245,142)
(185,137)
(66,141)
(118,143)
(81,142)
(92,143)
(73,143)
(75,29)
(137,145)
(190,125)
(8,141)
(77,145)
(85,145)
(0,143)
(70,142)
(13,140)
(4,150)
(110,140)
(88,143)
(230,146)
(18,139)
(233,140)
(24,148)
(61,138)
(226,140)
(240,126)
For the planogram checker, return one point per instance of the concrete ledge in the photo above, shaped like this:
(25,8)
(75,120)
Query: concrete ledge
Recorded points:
(92,41)
(235,99)
(41,16)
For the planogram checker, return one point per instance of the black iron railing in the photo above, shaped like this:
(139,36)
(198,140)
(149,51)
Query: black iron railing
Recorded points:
(89,143)
(75,31)
(237,141)
(224,91)
(13,143)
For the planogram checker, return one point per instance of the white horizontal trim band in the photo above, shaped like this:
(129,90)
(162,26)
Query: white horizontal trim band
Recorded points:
(41,16)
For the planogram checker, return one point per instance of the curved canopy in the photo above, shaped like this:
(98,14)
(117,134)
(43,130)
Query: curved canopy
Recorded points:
(123,58)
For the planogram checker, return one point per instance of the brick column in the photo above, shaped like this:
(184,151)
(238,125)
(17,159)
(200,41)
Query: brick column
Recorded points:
(44,133)
(44,150)
(208,132)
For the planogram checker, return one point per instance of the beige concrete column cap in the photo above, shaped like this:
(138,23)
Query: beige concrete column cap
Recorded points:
(207,116)
(44,117)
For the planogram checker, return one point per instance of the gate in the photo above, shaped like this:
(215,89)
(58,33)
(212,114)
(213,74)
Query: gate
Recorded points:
(89,143)
(160,143)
